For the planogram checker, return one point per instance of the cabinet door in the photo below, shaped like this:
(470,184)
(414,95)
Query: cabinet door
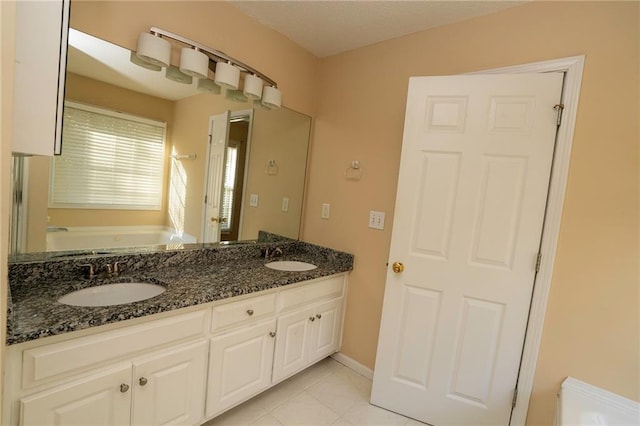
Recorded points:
(291,354)
(240,365)
(325,334)
(98,399)
(40,62)
(169,386)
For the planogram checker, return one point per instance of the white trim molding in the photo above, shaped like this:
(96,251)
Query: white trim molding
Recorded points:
(572,68)
(353,364)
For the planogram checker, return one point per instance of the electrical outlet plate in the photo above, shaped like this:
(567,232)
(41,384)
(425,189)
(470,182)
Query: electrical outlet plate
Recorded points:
(285,204)
(376,219)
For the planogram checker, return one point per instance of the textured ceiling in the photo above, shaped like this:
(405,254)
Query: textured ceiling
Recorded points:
(332,26)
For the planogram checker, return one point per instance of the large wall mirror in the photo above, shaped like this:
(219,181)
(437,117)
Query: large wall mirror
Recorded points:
(263,178)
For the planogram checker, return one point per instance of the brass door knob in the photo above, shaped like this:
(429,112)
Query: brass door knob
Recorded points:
(397,267)
(219,219)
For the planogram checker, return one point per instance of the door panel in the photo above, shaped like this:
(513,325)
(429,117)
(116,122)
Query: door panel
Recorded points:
(169,387)
(94,400)
(291,344)
(240,366)
(474,174)
(218,140)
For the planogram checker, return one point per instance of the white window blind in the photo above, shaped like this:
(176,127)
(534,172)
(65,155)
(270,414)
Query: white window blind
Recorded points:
(229,184)
(109,160)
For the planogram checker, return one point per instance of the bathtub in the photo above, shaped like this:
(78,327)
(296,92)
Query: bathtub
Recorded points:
(582,404)
(90,237)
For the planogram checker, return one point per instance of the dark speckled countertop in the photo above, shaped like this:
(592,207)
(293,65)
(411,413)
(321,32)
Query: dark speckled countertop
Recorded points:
(194,275)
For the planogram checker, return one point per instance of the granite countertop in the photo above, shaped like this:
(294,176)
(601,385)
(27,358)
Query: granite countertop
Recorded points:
(193,276)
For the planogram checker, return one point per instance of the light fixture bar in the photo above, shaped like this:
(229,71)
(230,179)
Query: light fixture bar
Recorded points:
(215,55)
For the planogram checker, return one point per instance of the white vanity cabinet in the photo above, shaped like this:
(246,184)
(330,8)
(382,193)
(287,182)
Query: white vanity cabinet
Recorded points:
(182,368)
(309,327)
(241,354)
(39,76)
(167,387)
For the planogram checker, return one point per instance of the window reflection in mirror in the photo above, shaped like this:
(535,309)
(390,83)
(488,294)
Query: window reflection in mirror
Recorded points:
(279,134)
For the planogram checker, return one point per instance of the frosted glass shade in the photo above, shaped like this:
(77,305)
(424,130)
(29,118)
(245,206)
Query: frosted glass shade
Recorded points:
(271,97)
(174,74)
(154,50)
(227,75)
(208,86)
(235,95)
(139,62)
(252,86)
(194,63)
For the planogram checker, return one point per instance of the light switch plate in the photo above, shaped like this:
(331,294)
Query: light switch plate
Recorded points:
(253,200)
(326,210)
(285,204)
(376,219)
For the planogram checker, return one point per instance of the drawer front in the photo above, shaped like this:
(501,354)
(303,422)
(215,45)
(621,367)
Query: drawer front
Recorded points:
(329,288)
(51,361)
(243,311)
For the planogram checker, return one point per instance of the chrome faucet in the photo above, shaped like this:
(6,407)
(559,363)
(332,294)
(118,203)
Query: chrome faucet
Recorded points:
(91,272)
(270,253)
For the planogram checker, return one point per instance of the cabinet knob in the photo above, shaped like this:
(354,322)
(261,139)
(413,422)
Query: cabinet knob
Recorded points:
(124,387)
(272,333)
(318,316)
(143,381)
(249,312)
(312,319)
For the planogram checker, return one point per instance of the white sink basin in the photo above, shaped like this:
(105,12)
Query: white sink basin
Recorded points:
(291,265)
(112,294)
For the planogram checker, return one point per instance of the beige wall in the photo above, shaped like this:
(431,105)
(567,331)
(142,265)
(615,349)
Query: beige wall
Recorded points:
(591,329)
(216,24)
(7,40)
(290,131)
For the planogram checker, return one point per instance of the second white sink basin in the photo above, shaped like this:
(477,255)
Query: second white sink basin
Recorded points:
(112,294)
(290,265)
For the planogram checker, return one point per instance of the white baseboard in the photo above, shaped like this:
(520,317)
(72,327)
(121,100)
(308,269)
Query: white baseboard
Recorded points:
(353,364)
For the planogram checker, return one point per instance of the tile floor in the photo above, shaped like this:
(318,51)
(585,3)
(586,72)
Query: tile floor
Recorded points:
(327,393)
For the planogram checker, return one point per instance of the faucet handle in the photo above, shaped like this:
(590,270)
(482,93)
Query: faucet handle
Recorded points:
(108,268)
(116,268)
(90,271)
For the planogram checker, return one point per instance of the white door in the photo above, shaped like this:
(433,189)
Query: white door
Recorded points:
(240,367)
(474,172)
(218,139)
(100,399)
(169,387)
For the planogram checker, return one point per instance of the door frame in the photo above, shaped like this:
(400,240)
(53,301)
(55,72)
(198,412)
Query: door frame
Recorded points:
(572,67)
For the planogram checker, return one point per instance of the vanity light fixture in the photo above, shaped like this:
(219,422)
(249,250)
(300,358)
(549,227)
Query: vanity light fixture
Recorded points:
(196,60)
(194,63)
(271,97)
(153,49)
(252,86)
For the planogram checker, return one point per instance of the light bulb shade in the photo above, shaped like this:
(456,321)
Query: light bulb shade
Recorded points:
(208,86)
(252,86)
(139,62)
(154,50)
(235,95)
(227,75)
(194,63)
(174,74)
(271,97)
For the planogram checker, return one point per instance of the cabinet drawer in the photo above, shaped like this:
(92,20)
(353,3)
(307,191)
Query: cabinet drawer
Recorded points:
(325,289)
(243,311)
(47,362)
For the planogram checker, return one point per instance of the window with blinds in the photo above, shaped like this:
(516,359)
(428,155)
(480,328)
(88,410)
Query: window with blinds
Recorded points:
(109,160)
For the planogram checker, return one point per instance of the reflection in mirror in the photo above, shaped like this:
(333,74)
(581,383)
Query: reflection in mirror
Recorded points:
(263,185)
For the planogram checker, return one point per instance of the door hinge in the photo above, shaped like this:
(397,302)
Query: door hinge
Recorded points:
(205,199)
(538,261)
(515,398)
(559,108)
(211,138)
